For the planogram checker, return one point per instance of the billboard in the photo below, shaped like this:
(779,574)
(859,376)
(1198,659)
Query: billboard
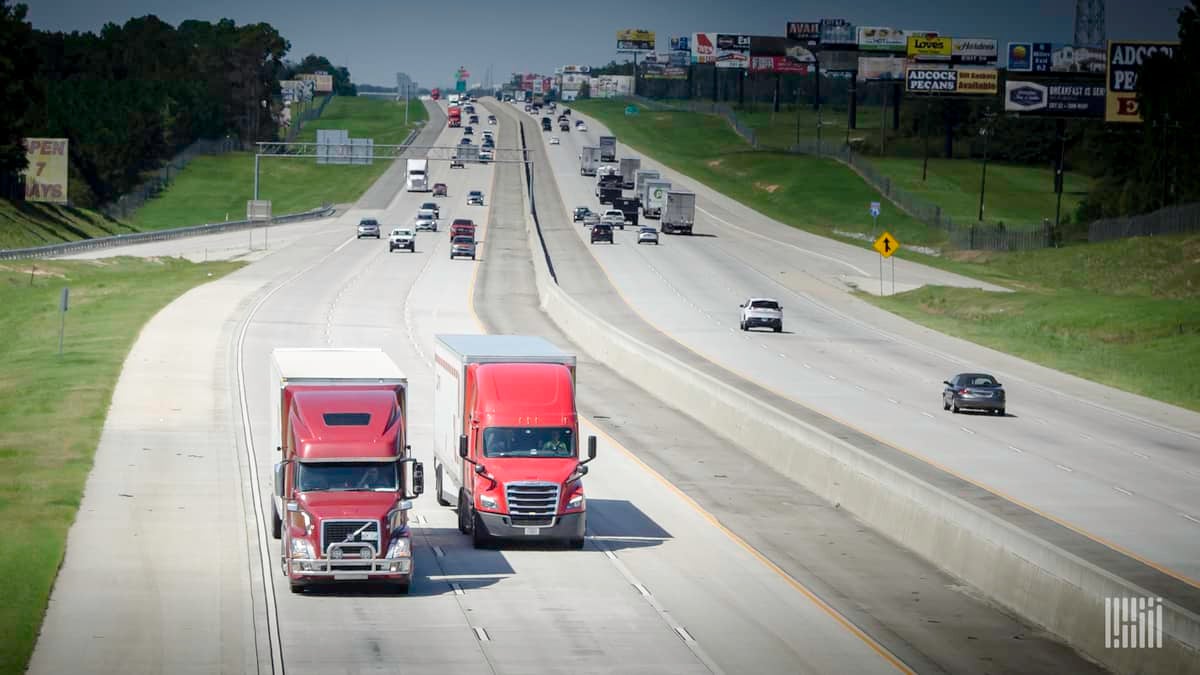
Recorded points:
(608,86)
(804,31)
(1054,97)
(635,40)
(659,66)
(682,43)
(929,48)
(294,91)
(964,81)
(576,69)
(881,39)
(978,51)
(733,51)
(323,81)
(1046,57)
(573,81)
(838,61)
(880,68)
(46,177)
(1125,59)
(779,55)
(838,33)
(704,47)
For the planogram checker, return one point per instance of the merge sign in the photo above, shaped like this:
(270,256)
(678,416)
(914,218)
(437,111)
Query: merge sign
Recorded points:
(886,244)
(635,40)
(930,48)
(1125,61)
(46,176)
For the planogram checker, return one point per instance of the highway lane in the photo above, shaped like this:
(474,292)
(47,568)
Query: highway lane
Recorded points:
(1124,479)
(520,608)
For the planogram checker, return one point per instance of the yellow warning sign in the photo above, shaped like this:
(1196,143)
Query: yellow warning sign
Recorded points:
(886,244)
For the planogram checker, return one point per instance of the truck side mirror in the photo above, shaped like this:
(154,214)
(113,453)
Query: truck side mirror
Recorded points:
(591,448)
(462,446)
(418,479)
(279,469)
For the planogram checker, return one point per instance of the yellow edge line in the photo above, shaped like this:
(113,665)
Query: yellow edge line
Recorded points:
(1074,528)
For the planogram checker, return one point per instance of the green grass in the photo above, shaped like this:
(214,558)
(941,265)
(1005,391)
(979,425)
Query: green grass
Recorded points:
(52,408)
(216,187)
(1124,313)
(24,224)
(816,194)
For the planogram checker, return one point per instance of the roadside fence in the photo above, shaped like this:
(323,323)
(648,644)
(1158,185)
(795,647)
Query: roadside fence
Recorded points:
(160,179)
(1182,219)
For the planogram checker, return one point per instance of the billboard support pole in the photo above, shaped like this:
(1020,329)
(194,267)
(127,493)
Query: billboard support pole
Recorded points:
(925,140)
(716,73)
(817,86)
(778,83)
(883,122)
(1059,178)
(985,131)
(256,156)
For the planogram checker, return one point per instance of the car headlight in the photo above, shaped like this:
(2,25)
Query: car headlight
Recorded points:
(487,502)
(575,502)
(301,548)
(401,548)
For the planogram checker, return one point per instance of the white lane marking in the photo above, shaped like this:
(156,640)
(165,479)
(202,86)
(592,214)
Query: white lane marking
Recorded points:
(764,346)
(860,387)
(1123,491)
(1085,437)
(468,577)
(1142,455)
(437,550)
(1015,449)
(1194,520)
(927,414)
(892,400)
(687,637)
(481,634)
(784,243)
(832,377)
(967,430)
(642,589)
(458,590)
(808,366)
(782,355)
(344,245)
(1065,468)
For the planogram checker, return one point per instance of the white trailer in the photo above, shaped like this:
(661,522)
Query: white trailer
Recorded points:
(639,181)
(418,176)
(654,197)
(680,213)
(608,148)
(589,159)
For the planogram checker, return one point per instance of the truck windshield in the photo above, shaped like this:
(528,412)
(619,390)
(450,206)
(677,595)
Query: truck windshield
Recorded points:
(347,476)
(528,442)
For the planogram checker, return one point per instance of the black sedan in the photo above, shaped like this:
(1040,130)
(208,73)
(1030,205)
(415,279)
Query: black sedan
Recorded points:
(580,213)
(973,391)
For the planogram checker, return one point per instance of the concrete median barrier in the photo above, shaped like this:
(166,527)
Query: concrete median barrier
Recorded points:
(1034,579)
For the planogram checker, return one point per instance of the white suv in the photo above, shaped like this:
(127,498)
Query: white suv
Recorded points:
(762,312)
(614,217)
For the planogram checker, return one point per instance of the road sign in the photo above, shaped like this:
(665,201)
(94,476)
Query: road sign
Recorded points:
(874,209)
(886,244)
(631,110)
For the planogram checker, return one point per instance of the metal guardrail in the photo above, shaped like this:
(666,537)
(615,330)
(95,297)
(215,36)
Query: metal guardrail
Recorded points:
(70,247)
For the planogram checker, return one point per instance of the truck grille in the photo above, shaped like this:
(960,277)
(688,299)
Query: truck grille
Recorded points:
(531,500)
(337,531)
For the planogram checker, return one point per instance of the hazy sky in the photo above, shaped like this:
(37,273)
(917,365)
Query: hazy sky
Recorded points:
(429,40)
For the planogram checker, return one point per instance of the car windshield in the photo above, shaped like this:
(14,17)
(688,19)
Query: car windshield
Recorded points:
(429,205)
(979,381)
(528,442)
(347,476)
(462,240)
(764,304)
(368,222)
(476,193)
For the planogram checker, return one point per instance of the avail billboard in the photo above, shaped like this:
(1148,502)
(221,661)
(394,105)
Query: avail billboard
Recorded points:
(1047,57)
(978,51)
(838,34)
(323,81)
(947,81)
(929,48)
(704,47)
(1125,60)
(808,32)
(635,40)
(733,51)
(46,177)
(1053,97)
(779,55)
(880,69)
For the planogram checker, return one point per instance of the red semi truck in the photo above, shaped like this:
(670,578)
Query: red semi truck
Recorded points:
(435,94)
(454,116)
(340,500)
(506,438)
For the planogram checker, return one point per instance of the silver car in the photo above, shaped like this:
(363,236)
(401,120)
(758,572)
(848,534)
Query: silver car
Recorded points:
(368,227)
(425,224)
(462,246)
(648,235)
(974,391)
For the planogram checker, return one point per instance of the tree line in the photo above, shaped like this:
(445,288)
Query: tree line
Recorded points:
(133,95)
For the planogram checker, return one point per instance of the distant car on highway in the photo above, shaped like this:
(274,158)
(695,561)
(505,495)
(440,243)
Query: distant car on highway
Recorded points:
(648,235)
(602,232)
(491,119)
(485,154)
(465,141)
(368,227)
(475,198)
(462,246)
(439,190)
(762,312)
(614,218)
(425,223)
(473,119)
(580,213)
(580,125)
(402,237)
(554,140)
(973,391)
(468,131)
(430,208)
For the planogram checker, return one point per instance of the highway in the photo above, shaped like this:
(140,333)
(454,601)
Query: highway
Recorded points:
(1120,468)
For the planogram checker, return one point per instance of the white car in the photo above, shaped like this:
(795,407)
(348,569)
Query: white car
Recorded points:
(613,217)
(402,237)
(485,154)
(580,126)
(429,210)
(554,140)
(425,223)
(762,312)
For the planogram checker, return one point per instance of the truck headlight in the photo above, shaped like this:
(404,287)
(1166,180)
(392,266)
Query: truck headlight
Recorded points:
(401,548)
(575,502)
(301,548)
(487,502)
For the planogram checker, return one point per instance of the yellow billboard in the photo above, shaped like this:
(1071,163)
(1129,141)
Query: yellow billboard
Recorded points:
(1125,59)
(978,81)
(46,175)
(924,47)
(635,40)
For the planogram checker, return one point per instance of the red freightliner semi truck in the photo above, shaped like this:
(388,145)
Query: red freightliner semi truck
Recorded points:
(506,438)
(341,494)
(454,116)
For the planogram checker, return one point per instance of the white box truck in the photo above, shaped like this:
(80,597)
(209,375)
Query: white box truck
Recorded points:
(418,175)
(608,148)
(639,180)
(680,213)
(589,159)
(629,167)
(654,197)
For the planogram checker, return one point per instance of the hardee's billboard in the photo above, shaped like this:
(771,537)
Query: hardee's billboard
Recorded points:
(1125,60)
(46,175)
(928,48)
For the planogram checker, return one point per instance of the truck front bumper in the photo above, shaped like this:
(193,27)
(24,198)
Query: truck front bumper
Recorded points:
(325,570)
(565,526)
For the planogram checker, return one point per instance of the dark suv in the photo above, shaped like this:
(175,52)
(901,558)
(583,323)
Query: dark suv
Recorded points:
(602,232)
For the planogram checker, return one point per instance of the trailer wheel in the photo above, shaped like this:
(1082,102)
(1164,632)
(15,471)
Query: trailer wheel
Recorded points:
(437,480)
(276,522)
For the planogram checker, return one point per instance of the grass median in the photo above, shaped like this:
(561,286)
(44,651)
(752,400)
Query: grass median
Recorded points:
(52,408)
(1124,313)
(214,188)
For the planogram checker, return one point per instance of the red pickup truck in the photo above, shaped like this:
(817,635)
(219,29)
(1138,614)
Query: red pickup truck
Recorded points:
(462,227)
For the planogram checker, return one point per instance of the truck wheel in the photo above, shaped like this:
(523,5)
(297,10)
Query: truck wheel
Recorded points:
(297,588)
(575,543)
(276,522)
(437,481)
(479,536)
(463,525)
(779,328)
(400,589)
